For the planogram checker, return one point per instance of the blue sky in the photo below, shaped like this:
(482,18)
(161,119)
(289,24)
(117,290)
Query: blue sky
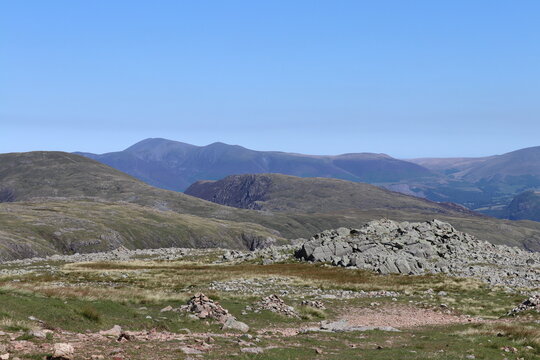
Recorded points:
(407,78)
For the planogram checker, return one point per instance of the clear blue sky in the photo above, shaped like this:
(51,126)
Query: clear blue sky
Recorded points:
(408,78)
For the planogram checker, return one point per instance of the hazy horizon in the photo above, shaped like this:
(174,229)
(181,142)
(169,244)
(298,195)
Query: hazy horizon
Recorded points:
(409,79)
(261,149)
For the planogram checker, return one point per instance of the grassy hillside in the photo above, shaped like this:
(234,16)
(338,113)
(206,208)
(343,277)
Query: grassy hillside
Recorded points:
(52,176)
(525,206)
(59,202)
(515,164)
(350,202)
(275,192)
(449,165)
(30,229)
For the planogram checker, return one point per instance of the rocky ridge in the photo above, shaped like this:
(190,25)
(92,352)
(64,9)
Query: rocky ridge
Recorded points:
(390,247)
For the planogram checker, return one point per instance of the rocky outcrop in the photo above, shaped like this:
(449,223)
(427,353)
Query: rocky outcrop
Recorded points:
(240,191)
(7,195)
(387,247)
(254,242)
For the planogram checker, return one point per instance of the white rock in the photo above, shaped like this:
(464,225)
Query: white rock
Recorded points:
(63,351)
(166,309)
(116,331)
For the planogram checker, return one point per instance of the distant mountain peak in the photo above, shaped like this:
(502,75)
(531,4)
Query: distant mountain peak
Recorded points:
(222,145)
(366,155)
(151,143)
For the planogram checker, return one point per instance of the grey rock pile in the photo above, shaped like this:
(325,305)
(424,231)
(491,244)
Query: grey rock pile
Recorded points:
(532,303)
(275,304)
(119,254)
(204,307)
(288,286)
(268,255)
(388,247)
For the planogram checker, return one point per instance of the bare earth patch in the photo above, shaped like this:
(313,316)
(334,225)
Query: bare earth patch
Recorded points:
(396,316)
(401,316)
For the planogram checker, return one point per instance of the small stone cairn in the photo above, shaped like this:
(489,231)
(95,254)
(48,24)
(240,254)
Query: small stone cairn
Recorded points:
(276,304)
(204,307)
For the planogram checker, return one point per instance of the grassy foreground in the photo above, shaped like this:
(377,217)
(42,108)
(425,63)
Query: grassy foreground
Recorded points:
(79,299)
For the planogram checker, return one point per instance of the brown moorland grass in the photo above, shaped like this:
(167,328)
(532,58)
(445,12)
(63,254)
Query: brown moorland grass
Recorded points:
(311,273)
(524,334)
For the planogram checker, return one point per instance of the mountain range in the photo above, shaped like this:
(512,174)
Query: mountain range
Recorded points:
(56,202)
(175,165)
(486,184)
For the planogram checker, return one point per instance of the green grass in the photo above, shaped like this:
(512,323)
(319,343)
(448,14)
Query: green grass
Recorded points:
(311,313)
(424,343)
(90,313)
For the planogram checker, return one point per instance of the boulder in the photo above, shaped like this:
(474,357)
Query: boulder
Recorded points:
(232,324)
